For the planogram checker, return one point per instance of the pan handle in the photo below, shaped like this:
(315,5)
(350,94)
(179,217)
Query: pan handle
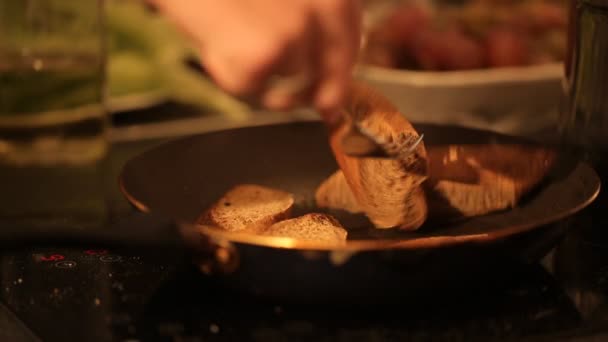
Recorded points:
(212,256)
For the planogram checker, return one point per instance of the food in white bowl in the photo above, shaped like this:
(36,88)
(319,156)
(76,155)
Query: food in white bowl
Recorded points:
(488,64)
(474,34)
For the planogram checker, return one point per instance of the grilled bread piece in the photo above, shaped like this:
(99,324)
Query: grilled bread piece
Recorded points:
(472,180)
(309,227)
(386,189)
(249,208)
(334,193)
(464,180)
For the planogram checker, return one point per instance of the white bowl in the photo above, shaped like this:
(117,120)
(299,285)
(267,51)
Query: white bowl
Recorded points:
(514,100)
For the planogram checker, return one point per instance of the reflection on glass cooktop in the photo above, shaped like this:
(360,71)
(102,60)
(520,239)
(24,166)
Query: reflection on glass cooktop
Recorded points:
(143,295)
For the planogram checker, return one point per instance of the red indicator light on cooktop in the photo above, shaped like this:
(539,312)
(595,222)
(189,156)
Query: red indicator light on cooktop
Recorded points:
(54,257)
(96,252)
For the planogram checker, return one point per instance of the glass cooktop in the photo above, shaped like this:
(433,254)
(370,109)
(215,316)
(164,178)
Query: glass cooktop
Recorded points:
(93,294)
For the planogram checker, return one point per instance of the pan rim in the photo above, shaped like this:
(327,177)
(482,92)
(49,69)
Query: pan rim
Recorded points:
(413,243)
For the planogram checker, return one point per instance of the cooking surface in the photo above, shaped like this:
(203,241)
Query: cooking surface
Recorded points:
(202,171)
(130,295)
(140,294)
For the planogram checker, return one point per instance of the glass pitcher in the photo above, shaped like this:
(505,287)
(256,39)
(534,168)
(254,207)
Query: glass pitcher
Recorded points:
(52,118)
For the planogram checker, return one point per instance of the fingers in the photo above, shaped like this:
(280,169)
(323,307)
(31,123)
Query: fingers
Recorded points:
(245,45)
(291,80)
(234,48)
(315,44)
(339,43)
(276,46)
(240,69)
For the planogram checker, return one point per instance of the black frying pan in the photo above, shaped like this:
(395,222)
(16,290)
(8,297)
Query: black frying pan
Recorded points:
(182,178)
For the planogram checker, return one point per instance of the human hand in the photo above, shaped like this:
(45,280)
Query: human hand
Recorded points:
(247,45)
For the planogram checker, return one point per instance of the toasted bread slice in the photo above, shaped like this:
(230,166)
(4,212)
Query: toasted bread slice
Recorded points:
(334,193)
(385,189)
(309,227)
(472,180)
(417,210)
(249,207)
(464,180)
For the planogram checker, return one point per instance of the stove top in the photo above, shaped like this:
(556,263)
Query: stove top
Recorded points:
(78,294)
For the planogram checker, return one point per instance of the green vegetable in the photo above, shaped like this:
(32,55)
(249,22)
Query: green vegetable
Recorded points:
(147,54)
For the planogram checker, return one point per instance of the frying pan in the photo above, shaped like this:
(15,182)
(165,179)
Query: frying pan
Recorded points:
(181,178)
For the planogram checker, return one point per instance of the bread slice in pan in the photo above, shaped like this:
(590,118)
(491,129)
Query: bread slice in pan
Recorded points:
(472,180)
(309,227)
(334,193)
(386,190)
(464,180)
(249,208)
